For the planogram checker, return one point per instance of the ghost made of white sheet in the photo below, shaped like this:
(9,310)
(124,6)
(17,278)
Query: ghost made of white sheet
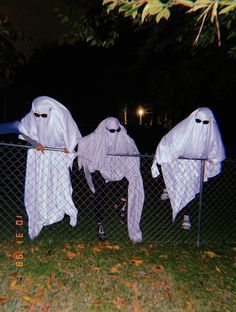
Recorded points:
(110,137)
(196,137)
(48,190)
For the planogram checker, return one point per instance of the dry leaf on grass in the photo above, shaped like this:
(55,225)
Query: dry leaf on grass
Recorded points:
(209,254)
(136,262)
(97,302)
(113,247)
(71,255)
(169,294)
(182,270)
(115,268)
(190,306)
(158,268)
(103,246)
(80,246)
(67,246)
(14,285)
(27,298)
(4,299)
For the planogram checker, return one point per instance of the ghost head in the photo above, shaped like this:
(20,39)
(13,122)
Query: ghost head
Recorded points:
(112,130)
(41,107)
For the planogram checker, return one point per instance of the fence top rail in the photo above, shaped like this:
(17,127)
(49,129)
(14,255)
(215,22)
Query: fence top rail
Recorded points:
(152,155)
(30,146)
(146,155)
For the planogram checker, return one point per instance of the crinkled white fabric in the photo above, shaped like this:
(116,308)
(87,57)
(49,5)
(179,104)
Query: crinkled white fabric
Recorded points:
(48,191)
(189,139)
(93,155)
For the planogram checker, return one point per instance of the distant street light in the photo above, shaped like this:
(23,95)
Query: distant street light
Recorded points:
(140,113)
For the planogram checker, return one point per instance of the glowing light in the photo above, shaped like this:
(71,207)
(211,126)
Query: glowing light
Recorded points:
(140,113)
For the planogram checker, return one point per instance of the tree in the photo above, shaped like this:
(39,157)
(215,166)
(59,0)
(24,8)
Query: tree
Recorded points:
(206,12)
(10,58)
(87,22)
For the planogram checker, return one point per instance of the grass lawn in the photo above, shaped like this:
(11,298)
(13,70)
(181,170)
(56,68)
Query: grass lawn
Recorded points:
(77,276)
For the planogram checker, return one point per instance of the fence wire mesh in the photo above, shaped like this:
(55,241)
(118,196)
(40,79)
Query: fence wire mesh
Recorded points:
(19,188)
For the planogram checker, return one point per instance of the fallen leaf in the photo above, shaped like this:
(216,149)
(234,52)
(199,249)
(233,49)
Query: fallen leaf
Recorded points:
(158,268)
(4,299)
(218,269)
(97,249)
(26,298)
(97,302)
(80,246)
(103,246)
(71,255)
(190,306)
(115,268)
(209,254)
(169,294)
(182,270)
(67,246)
(136,262)
(111,246)
(14,286)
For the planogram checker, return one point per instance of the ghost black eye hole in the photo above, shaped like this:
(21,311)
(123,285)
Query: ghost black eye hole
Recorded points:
(42,115)
(114,130)
(205,122)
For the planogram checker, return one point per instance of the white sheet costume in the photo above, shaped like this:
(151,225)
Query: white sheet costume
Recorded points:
(197,136)
(48,190)
(93,155)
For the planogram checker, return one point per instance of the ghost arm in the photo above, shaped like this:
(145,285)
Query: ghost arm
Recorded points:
(32,142)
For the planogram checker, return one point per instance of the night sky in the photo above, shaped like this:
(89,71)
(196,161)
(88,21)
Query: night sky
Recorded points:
(93,82)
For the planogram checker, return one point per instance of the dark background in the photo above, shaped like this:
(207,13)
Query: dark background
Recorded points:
(95,83)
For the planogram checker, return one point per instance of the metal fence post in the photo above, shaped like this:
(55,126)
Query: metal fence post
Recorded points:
(200,202)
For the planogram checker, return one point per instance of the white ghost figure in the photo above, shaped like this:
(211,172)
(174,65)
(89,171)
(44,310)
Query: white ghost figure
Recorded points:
(110,137)
(48,190)
(196,137)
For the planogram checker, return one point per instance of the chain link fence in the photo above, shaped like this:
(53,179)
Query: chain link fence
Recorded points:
(212,211)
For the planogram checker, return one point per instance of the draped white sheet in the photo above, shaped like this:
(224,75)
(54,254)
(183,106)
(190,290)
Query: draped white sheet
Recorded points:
(93,155)
(189,139)
(48,190)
